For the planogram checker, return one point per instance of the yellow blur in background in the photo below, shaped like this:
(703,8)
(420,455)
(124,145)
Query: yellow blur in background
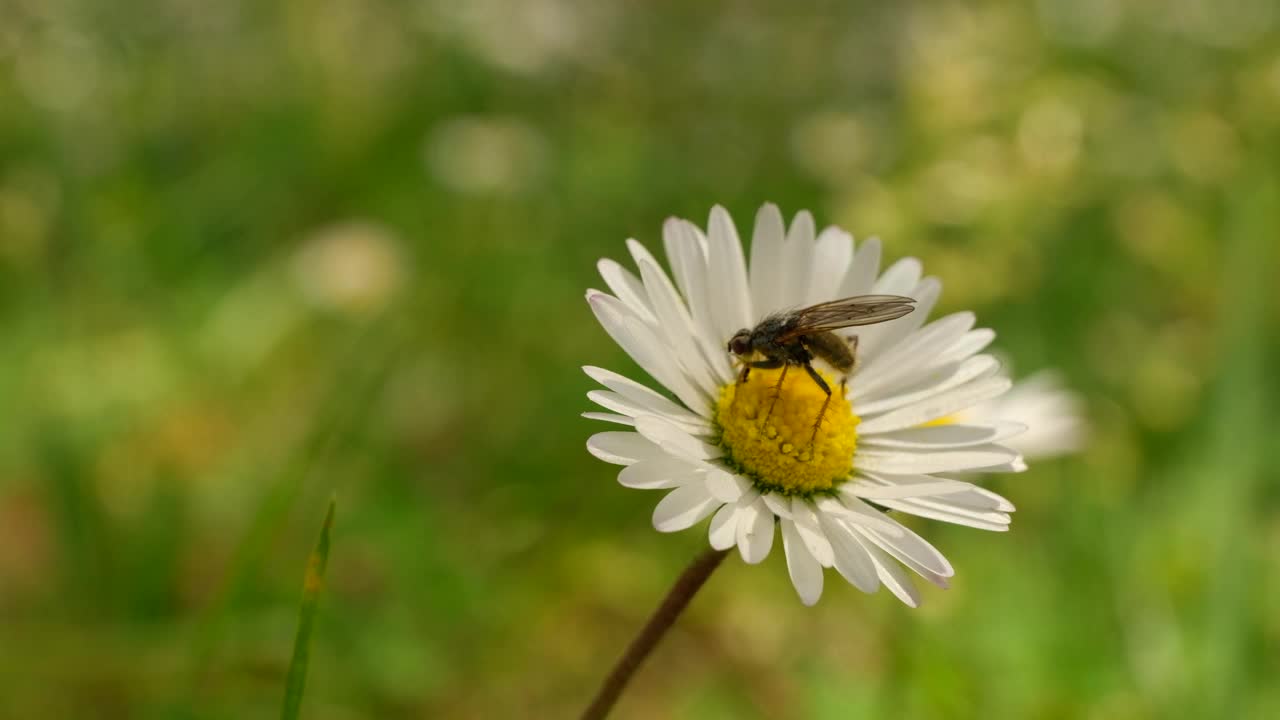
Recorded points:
(252,254)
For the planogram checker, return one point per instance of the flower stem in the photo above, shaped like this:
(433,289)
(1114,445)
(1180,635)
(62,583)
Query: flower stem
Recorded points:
(662,619)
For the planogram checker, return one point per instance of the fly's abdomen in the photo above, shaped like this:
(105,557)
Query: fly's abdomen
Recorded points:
(831,348)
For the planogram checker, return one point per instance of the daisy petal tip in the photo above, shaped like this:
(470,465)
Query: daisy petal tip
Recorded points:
(810,592)
(769,210)
(722,532)
(720,545)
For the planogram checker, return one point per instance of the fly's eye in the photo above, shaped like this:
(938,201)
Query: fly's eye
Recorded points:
(740,344)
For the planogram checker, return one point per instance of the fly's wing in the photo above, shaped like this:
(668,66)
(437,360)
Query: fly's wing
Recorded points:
(850,311)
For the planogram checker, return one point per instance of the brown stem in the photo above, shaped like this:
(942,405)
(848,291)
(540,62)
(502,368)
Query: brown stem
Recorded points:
(662,619)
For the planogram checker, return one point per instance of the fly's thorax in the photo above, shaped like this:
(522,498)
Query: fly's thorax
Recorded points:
(764,336)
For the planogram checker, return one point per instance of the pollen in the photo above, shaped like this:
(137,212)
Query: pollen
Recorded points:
(779,448)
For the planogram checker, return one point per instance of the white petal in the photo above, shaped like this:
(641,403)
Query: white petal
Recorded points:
(890,573)
(806,522)
(622,448)
(766,261)
(851,559)
(778,505)
(627,288)
(623,405)
(972,497)
(727,272)
(926,293)
(927,340)
(688,262)
(1017,465)
(936,406)
(613,401)
(936,510)
(951,491)
(642,344)
(658,473)
(973,342)
(643,397)
(909,462)
(945,378)
(674,440)
(913,551)
(677,325)
(806,573)
(891,488)
(940,436)
(723,531)
(755,532)
(725,486)
(610,417)
(887,335)
(913,356)
(865,268)
(797,261)
(831,256)
(670,373)
(850,508)
(899,278)
(687,252)
(683,507)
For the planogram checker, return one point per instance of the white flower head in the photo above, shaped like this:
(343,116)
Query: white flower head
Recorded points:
(753,453)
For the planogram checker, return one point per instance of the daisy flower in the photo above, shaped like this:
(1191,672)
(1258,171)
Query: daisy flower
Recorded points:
(747,455)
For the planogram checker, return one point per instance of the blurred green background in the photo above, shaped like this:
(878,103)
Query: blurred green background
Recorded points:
(254,254)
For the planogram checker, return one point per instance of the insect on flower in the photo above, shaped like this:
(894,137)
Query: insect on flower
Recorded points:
(891,443)
(796,337)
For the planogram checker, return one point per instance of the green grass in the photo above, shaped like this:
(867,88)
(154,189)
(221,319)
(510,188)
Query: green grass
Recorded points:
(312,585)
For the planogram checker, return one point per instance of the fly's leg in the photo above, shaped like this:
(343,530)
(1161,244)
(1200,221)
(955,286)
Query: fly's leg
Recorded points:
(777,389)
(742,378)
(746,373)
(826,389)
(853,352)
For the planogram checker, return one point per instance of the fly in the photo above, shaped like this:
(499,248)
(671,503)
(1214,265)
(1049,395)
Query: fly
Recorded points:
(796,337)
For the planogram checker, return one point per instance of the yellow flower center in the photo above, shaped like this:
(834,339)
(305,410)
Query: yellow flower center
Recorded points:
(778,448)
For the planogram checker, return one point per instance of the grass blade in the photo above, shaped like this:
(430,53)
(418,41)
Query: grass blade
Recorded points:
(312,584)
